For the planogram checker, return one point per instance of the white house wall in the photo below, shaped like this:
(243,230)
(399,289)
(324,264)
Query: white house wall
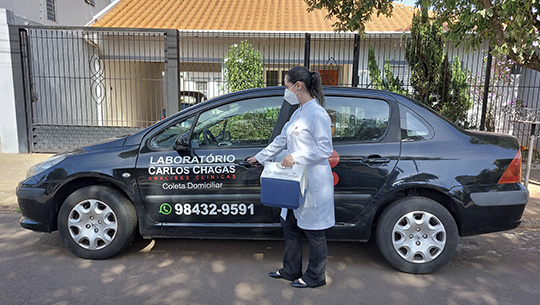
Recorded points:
(130,46)
(68,12)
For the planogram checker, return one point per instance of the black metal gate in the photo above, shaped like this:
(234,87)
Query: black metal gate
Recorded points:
(84,85)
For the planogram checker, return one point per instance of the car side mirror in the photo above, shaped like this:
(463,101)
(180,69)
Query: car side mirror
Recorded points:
(182,142)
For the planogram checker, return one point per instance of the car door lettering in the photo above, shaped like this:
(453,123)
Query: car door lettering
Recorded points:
(167,168)
(167,171)
(205,209)
(169,160)
(192,186)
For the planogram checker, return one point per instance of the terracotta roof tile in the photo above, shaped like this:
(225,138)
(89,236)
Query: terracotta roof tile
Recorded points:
(238,15)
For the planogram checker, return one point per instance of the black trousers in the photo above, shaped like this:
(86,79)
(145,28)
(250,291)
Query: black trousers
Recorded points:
(292,260)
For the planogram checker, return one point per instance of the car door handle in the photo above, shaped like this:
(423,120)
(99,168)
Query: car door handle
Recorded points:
(246,164)
(376,160)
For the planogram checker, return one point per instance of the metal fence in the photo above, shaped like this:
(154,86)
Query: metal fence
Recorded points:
(342,60)
(120,80)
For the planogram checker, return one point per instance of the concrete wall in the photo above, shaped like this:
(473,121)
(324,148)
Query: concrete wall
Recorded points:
(12,114)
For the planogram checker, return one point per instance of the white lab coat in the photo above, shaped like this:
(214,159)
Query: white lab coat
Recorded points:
(308,139)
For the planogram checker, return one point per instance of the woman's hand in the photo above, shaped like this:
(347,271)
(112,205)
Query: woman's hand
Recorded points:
(252,160)
(288,161)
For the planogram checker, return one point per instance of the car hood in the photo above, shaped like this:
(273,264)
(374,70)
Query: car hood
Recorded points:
(105,144)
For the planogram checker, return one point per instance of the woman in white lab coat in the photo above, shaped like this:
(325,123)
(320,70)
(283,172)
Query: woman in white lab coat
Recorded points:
(307,137)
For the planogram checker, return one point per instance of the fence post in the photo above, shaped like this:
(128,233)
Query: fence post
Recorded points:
(28,86)
(356,61)
(171,71)
(486,91)
(307,50)
(530,155)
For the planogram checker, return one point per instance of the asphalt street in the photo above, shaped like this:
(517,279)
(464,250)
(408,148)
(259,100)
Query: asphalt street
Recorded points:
(498,268)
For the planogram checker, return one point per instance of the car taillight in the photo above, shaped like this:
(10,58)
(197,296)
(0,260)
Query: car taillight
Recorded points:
(513,172)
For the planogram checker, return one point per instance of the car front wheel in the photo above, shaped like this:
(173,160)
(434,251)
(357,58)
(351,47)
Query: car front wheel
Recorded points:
(417,235)
(97,222)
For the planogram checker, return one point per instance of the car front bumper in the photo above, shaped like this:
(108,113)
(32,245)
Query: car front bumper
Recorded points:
(35,208)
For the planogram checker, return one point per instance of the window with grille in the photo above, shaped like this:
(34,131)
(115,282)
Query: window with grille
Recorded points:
(51,10)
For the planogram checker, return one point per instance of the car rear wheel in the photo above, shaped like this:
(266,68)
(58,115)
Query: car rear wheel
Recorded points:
(97,222)
(417,235)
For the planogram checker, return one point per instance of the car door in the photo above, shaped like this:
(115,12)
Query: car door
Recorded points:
(367,148)
(199,182)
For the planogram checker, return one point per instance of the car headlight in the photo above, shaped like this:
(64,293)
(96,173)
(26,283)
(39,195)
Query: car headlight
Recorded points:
(45,165)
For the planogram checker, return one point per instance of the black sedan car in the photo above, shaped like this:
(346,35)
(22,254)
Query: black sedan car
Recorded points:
(402,174)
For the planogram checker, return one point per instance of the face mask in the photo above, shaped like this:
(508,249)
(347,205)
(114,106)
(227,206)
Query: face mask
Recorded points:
(290,97)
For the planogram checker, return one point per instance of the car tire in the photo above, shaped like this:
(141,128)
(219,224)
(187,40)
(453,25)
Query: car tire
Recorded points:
(417,235)
(97,222)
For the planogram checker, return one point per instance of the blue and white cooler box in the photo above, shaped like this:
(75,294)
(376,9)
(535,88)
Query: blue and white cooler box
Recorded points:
(283,187)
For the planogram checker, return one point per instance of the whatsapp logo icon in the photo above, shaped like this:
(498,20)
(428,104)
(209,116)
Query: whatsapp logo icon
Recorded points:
(165,209)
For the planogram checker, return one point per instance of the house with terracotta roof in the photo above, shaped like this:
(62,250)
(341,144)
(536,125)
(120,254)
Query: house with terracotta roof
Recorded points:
(281,30)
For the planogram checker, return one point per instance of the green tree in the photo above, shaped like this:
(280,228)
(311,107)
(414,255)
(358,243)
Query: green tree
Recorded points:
(429,65)
(351,15)
(387,81)
(511,26)
(243,67)
(436,83)
(374,72)
(459,98)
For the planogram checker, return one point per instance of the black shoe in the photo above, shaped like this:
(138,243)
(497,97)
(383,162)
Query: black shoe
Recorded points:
(275,275)
(297,284)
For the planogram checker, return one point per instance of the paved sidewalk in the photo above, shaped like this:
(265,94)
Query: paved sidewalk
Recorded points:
(13,169)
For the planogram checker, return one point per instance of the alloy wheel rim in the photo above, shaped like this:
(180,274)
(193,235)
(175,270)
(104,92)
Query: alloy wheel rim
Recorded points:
(419,237)
(92,224)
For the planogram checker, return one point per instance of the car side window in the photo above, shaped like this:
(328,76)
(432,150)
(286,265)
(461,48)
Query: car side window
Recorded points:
(167,137)
(413,127)
(357,119)
(242,123)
